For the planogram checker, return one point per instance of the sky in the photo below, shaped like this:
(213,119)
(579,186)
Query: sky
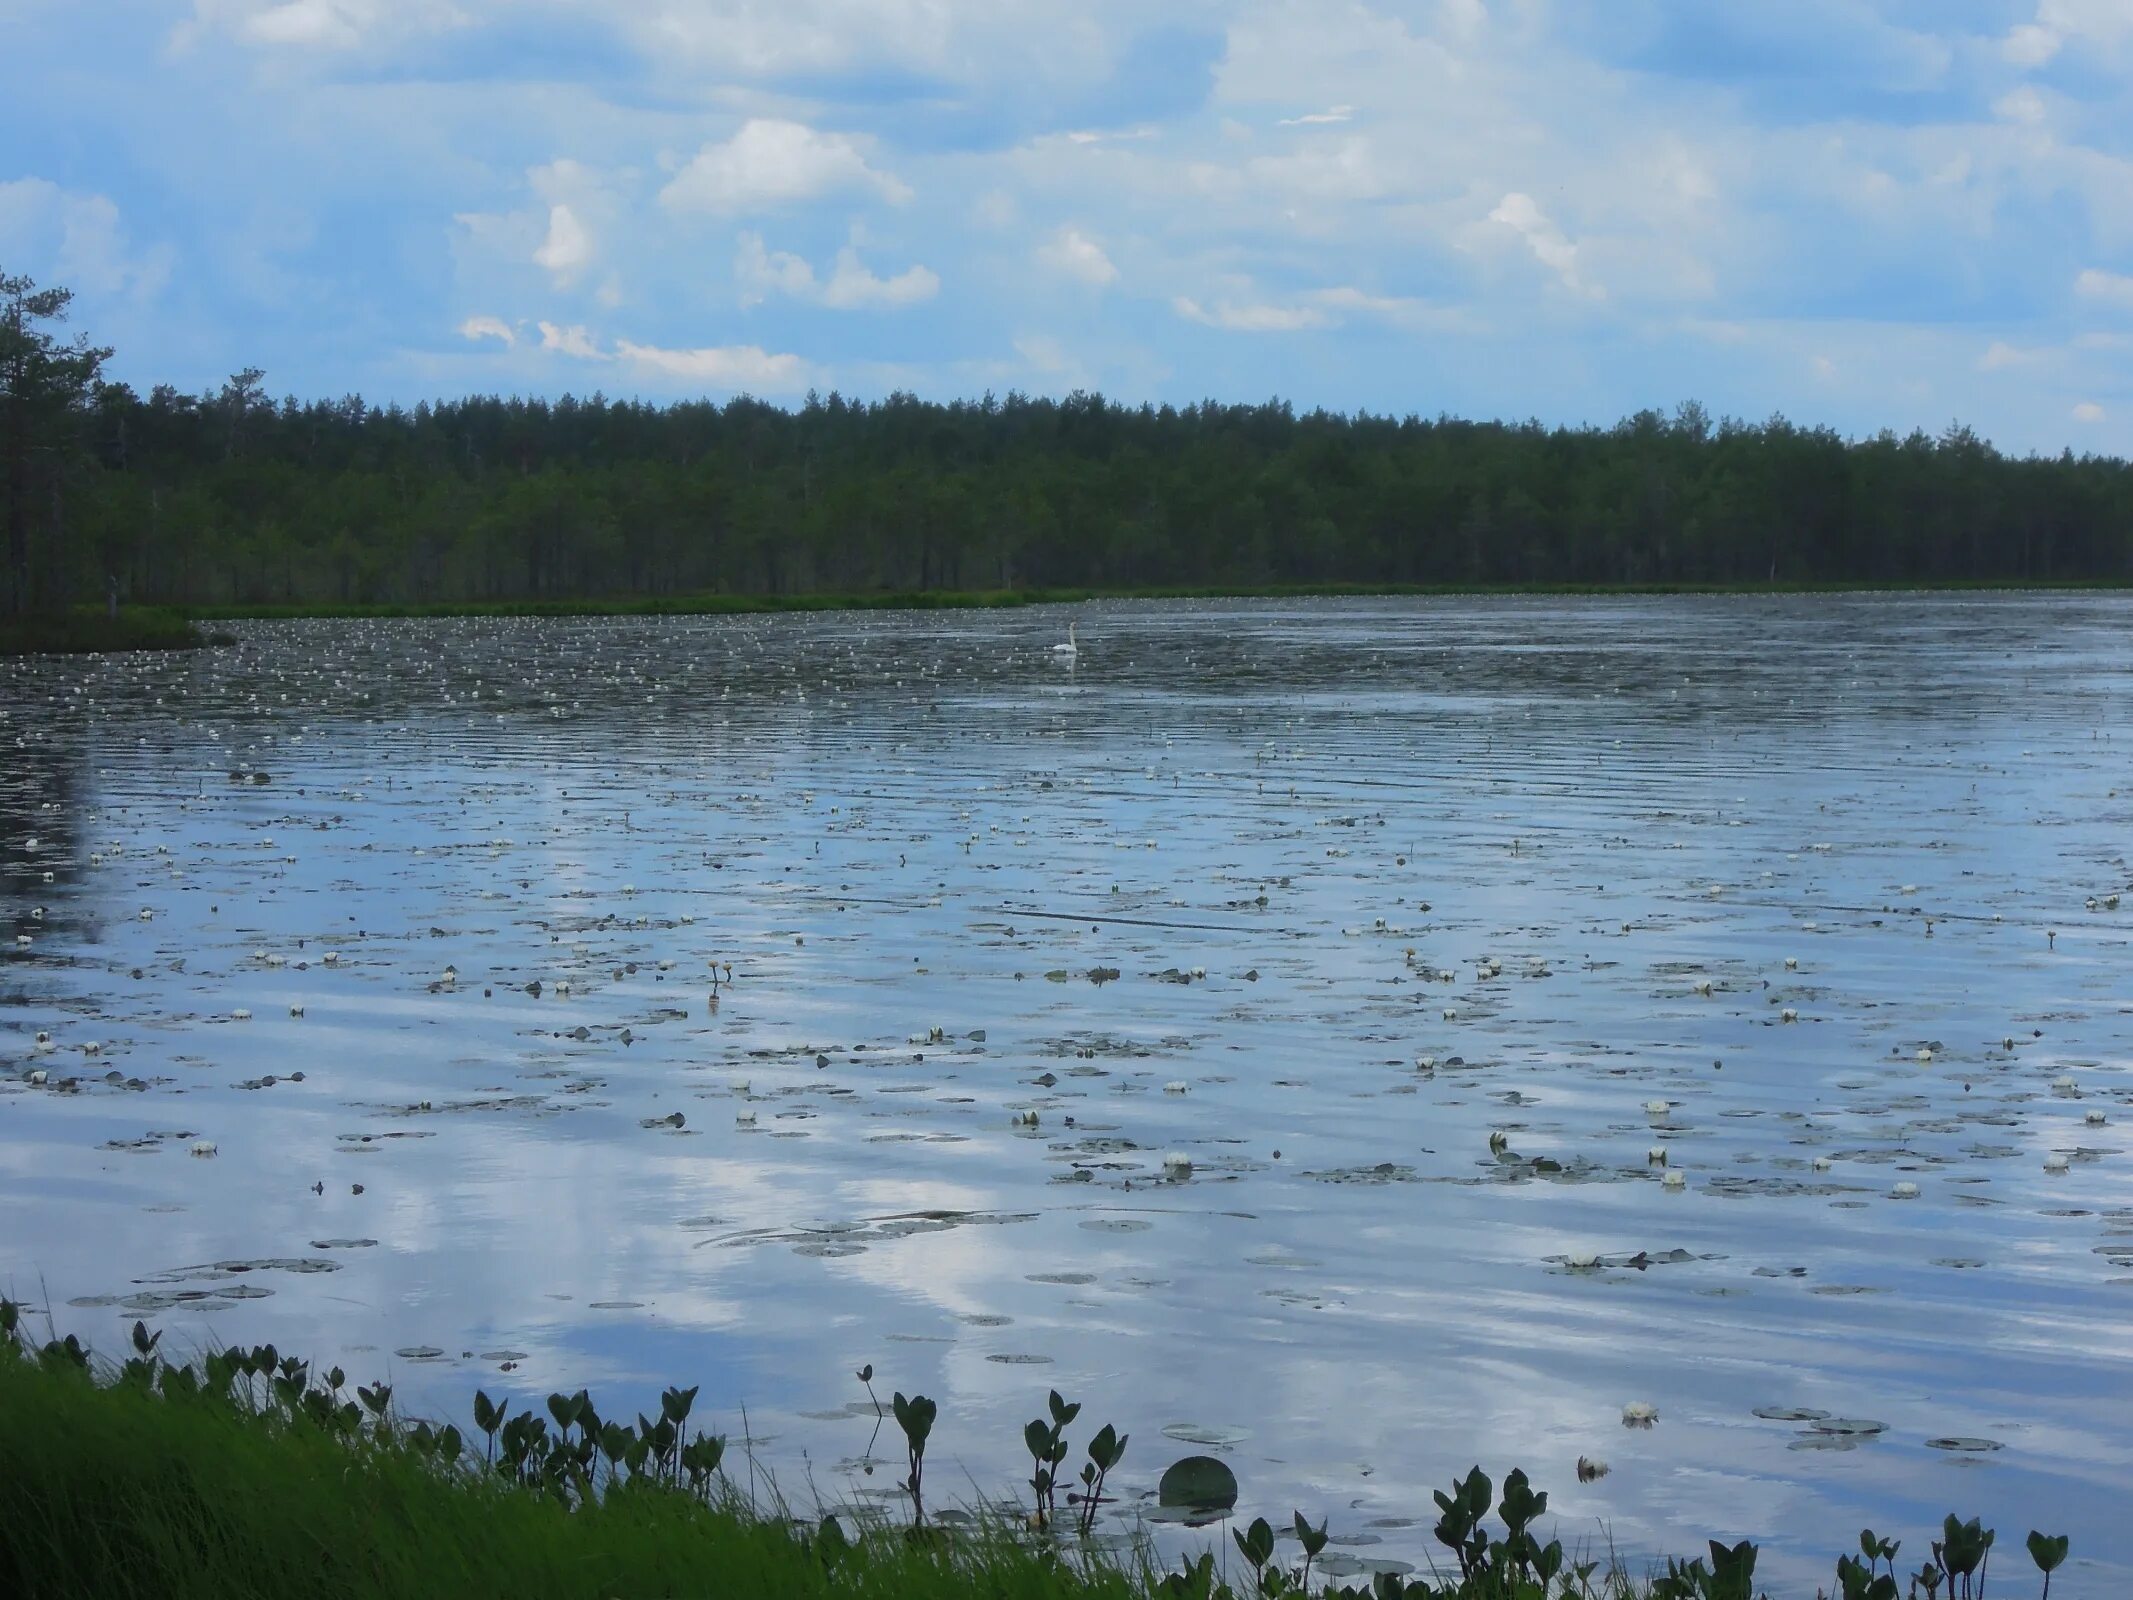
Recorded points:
(1865,213)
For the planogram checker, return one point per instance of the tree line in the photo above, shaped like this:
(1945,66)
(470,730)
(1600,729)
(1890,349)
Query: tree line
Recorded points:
(235,497)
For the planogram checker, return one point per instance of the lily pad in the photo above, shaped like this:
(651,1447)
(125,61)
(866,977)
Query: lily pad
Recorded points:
(1198,1481)
(1214,1438)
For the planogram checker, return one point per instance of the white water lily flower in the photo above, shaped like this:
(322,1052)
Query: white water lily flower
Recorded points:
(2056,1163)
(1639,1414)
(1177,1162)
(2095,1119)
(1175,1086)
(1674,1180)
(1657,1108)
(203,1147)
(1904,1191)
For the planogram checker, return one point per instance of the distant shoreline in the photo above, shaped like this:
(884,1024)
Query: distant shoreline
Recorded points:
(84,631)
(87,632)
(691,605)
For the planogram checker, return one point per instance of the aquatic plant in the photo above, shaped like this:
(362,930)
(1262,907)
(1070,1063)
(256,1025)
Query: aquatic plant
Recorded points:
(1046,1442)
(1104,1453)
(915,1416)
(566,1456)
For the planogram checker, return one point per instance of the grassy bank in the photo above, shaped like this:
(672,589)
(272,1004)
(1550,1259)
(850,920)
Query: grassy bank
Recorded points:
(1003,599)
(246,1474)
(87,630)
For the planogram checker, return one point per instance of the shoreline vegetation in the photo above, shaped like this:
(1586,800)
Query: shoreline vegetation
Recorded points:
(231,500)
(721,604)
(84,630)
(247,1473)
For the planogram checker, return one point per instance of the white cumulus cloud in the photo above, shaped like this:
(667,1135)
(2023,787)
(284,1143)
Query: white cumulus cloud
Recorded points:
(738,366)
(571,341)
(568,250)
(1236,318)
(763,272)
(771,162)
(1078,256)
(488,328)
(2111,287)
(2105,24)
(317,26)
(2089,411)
(1550,247)
(851,285)
(1315,118)
(75,239)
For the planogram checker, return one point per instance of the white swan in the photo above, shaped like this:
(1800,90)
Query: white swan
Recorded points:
(1071,648)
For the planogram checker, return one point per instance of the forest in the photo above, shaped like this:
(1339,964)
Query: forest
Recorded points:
(236,498)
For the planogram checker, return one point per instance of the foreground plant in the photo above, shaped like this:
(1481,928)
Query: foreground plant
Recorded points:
(568,1456)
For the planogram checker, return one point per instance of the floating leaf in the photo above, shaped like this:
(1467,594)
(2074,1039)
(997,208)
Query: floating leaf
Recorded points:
(1200,1482)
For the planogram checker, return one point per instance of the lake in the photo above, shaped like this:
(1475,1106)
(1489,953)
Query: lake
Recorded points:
(743,1001)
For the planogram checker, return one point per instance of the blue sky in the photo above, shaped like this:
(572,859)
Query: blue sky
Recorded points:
(1871,213)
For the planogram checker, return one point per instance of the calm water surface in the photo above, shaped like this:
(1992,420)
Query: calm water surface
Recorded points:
(1224,889)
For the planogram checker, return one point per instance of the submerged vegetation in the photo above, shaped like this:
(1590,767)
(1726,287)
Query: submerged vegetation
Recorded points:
(247,1473)
(236,498)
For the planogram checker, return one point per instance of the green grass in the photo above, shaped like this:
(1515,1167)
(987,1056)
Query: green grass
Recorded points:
(997,599)
(87,629)
(250,1475)
(107,1492)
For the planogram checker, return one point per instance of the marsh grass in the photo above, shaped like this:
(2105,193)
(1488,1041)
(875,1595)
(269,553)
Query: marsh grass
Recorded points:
(247,1474)
(88,630)
(725,604)
(110,1493)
